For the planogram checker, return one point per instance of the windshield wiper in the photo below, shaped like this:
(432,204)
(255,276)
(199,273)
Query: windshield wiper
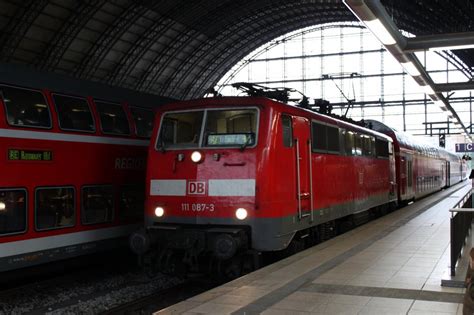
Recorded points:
(247,142)
(162,145)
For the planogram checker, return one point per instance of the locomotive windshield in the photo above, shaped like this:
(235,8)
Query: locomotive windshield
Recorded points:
(209,128)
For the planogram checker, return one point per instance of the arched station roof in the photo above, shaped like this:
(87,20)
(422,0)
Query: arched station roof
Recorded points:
(180,48)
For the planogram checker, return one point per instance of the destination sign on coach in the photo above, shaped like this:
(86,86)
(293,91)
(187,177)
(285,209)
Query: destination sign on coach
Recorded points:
(464,147)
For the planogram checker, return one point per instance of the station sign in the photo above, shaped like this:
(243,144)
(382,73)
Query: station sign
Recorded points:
(464,147)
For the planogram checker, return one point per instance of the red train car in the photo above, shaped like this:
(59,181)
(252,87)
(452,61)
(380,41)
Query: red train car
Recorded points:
(73,171)
(233,174)
(421,168)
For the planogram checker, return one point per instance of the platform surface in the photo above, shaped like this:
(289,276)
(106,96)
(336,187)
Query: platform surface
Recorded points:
(393,265)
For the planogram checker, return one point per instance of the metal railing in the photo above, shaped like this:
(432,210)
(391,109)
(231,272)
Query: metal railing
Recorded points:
(461,221)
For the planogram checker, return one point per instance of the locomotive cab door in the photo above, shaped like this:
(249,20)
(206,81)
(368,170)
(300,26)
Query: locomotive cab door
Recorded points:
(302,153)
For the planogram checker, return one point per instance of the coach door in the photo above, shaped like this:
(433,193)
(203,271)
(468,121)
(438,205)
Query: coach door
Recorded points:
(448,174)
(403,176)
(302,148)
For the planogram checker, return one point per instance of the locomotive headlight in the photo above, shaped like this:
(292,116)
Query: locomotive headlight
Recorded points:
(3,206)
(159,211)
(241,213)
(196,157)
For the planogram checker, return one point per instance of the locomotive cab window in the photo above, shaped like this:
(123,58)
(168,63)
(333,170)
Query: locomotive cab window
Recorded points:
(143,119)
(180,130)
(287,131)
(113,119)
(12,211)
(74,113)
(97,204)
(25,108)
(54,208)
(230,127)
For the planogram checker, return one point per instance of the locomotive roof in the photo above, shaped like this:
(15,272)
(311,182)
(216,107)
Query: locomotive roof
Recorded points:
(252,100)
(407,141)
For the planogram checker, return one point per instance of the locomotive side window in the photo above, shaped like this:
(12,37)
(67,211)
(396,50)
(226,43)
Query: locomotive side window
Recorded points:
(287,130)
(180,130)
(333,139)
(54,208)
(73,113)
(358,144)
(131,201)
(97,204)
(25,108)
(143,119)
(230,127)
(319,137)
(113,118)
(368,145)
(12,211)
(349,143)
(382,148)
(325,138)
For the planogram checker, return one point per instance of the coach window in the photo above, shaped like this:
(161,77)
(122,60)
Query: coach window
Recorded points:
(113,118)
(12,211)
(319,137)
(54,208)
(131,201)
(74,113)
(25,108)
(143,119)
(97,204)
(287,130)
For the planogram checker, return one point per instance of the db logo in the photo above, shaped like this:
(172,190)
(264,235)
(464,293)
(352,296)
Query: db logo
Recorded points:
(196,188)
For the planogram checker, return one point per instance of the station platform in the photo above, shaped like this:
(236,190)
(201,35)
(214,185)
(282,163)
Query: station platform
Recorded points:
(392,265)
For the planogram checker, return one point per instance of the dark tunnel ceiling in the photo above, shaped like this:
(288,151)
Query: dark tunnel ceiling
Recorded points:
(180,48)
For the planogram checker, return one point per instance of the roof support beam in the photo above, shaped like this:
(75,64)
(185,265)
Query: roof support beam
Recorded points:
(437,42)
(456,86)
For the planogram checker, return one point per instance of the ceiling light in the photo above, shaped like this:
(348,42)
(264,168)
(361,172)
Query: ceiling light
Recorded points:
(379,30)
(427,89)
(410,68)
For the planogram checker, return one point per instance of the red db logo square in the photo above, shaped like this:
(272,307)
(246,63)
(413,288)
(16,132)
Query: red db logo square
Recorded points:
(196,188)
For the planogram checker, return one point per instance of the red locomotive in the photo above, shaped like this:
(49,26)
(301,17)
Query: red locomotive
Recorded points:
(73,172)
(233,176)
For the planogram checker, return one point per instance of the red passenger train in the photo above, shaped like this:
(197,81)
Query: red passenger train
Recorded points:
(73,171)
(233,176)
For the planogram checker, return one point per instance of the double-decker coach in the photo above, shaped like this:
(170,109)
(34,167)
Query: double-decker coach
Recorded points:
(73,171)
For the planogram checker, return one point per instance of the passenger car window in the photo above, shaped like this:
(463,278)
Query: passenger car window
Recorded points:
(97,204)
(73,113)
(113,119)
(12,211)
(54,208)
(143,119)
(25,108)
